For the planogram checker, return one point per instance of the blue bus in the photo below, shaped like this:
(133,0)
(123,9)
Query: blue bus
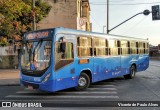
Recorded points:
(60,58)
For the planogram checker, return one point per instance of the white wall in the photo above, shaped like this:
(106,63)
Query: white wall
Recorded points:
(8,50)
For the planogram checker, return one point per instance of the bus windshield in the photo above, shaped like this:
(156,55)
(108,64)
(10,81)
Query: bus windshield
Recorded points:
(36,55)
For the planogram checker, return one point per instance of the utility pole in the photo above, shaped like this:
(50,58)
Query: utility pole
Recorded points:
(34,18)
(107,17)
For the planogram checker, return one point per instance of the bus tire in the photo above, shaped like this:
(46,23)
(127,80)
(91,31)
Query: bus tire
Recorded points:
(83,82)
(132,73)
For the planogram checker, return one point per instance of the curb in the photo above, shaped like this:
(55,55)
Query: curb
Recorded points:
(9,84)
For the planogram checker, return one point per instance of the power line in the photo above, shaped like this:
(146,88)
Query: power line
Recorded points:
(96,21)
(116,1)
(134,25)
(124,4)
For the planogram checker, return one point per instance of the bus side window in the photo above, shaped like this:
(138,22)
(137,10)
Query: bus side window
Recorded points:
(119,47)
(62,47)
(137,48)
(146,49)
(129,49)
(126,48)
(63,54)
(100,46)
(111,45)
(144,46)
(109,51)
(84,46)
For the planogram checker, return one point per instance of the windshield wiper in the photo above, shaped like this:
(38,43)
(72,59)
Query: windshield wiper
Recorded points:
(38,44)
(29,50)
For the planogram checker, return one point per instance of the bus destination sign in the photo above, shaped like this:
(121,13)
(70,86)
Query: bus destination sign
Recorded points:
(37,35)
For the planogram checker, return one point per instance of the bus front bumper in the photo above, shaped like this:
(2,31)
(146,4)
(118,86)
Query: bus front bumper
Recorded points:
(39,86)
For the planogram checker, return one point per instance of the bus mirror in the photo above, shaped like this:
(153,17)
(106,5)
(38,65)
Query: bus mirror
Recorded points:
(62,47)
(15,48)
(22,51)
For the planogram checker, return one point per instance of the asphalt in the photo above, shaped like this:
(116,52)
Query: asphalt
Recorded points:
(9,77)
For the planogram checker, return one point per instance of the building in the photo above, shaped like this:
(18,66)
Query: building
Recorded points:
(154,50)
(8,58)
(73,14)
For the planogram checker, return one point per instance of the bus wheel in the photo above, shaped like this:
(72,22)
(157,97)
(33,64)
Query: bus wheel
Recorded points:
(83,82)
(132,73)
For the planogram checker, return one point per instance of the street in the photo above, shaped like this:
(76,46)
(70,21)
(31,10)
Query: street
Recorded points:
(144,87)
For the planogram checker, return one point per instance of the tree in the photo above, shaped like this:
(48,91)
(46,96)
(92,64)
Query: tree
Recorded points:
(16,17)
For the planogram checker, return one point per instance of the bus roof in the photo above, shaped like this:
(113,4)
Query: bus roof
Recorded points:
(94,34)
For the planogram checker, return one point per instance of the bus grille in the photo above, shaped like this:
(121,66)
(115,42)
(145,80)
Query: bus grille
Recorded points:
(26,84)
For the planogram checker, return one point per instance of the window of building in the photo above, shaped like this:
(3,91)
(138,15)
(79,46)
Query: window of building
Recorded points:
(84,46)
(55,1)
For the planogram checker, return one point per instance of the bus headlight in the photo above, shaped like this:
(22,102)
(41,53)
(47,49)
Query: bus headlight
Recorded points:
(46,78)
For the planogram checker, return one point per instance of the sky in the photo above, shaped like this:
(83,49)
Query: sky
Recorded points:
(140,26)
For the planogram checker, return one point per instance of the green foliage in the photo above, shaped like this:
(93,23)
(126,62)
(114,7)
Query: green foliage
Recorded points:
(16,16)
(3,41)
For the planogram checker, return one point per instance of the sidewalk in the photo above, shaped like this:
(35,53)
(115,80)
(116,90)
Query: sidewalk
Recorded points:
(9,77)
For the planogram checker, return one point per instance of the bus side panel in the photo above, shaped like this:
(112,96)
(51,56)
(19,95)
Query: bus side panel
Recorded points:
(143,62)
(80,67)
(105,68)
(125,64)
(48,86)
(114,66)
(66,77)
(100,69)
(127,61)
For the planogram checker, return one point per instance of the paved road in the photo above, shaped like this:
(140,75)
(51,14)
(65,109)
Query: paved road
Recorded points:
(144,87)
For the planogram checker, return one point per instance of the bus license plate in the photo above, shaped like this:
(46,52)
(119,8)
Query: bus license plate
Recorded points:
(30,87)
